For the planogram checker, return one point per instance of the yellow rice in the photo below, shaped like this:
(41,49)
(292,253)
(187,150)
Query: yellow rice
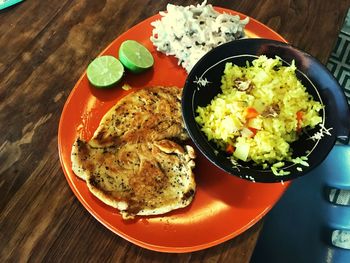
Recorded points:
(224,119)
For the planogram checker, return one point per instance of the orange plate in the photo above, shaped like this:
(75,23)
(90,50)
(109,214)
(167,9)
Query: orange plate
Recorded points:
(224,206)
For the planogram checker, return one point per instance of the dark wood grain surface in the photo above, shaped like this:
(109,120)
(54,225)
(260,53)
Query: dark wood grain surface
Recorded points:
(44,48)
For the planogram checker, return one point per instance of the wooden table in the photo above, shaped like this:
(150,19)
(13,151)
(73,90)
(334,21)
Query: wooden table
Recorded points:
(44,48)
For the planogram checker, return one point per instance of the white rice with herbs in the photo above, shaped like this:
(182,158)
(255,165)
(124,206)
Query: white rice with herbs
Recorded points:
(262,109)
(189,32)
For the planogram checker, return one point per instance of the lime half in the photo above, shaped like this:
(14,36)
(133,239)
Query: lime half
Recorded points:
(135,56)
(105,71)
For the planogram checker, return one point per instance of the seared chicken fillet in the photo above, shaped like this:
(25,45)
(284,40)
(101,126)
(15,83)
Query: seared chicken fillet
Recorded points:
(132,162)
(146,115)
(138,179)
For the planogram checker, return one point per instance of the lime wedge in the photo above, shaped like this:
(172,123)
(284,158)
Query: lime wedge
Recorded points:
(105,72)
(135,56)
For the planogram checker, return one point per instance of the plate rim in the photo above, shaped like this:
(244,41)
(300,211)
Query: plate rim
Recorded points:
(97,216)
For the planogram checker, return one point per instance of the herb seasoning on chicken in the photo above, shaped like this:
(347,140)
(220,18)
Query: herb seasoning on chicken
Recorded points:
(132,162)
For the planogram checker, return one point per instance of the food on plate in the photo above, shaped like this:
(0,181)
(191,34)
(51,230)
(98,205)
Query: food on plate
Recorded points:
(136,160)
(126,87)
(146,178)
(105,72)
(135,57)
(149,114)
(263,108)
(189,32)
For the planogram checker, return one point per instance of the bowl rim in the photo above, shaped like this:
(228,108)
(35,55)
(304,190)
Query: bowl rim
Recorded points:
(193,132)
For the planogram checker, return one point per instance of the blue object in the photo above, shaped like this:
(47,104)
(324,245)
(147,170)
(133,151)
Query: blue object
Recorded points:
(311,222)
(7,3)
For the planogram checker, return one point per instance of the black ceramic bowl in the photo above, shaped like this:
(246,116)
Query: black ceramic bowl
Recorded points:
(204,81)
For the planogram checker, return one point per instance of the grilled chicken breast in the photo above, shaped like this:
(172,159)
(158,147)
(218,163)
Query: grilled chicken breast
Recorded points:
(132,162)
(138,178)
(146,115)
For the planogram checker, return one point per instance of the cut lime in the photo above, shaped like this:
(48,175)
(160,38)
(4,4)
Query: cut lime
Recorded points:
(105,71)
(135,56)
